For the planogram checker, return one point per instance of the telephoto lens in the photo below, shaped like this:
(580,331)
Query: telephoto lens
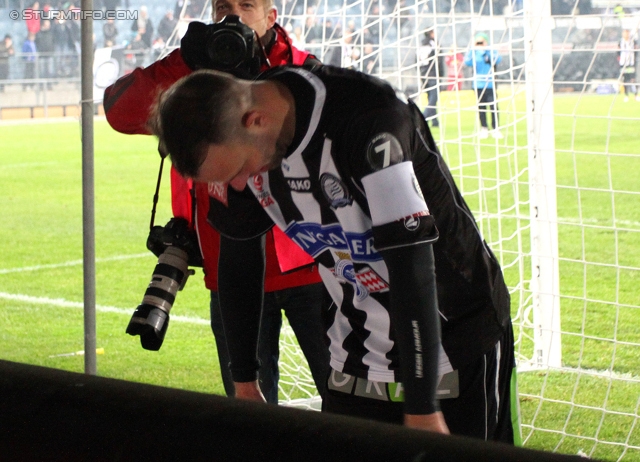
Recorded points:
(151,319)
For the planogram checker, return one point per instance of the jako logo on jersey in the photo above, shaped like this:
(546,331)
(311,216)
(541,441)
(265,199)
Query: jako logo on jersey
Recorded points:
(299,184)
(411,223)
(335,191)
(315,238)
(384,150)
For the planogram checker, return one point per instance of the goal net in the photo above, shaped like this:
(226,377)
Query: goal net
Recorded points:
(555,193)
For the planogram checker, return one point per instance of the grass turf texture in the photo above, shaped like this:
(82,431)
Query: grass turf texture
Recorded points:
(41,272)
(41,178)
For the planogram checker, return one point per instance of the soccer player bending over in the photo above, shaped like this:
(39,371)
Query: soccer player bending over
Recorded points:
(420,332)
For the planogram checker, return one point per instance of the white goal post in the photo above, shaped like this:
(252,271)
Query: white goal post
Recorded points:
(545,278)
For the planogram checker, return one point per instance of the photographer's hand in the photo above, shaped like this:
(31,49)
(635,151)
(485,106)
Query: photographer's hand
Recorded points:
(193,46)
(249,391)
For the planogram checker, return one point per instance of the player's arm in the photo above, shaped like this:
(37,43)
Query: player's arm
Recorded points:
(241,286)
(403,234)
(128,102)
(242,223)
(414,312)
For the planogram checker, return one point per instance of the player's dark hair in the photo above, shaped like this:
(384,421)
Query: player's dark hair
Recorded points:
(195,112)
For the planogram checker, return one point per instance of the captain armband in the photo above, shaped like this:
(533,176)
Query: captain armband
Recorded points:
(418,228)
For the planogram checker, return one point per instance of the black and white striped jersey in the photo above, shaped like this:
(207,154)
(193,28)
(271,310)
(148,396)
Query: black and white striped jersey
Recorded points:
(363,175)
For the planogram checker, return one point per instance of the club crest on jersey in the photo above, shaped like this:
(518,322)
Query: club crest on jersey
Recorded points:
(372,280)
(344,270)
(384,150)
(335,191)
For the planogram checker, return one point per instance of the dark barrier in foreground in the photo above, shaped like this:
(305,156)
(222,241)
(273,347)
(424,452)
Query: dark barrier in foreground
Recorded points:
(53,415)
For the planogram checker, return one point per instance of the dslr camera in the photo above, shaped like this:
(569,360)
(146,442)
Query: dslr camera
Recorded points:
(228,45)
(176,247)
(231,46)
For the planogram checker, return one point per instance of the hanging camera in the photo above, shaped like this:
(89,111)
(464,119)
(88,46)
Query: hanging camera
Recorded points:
(151,319)
(176,246)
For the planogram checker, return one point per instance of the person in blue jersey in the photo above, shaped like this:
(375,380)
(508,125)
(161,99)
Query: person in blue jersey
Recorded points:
(483,59)
(420,331)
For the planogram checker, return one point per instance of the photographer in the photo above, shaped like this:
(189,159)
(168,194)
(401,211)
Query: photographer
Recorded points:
(483,60)
(431,66)
(292,282)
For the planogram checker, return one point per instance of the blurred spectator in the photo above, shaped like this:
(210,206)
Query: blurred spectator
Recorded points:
(585,7)
(350,52)
(109,33)
(110,5)
(619,11)
(483,60)
(137,44)
(430,70)
(44,45)
(75,34)
(166,26)
(66,38)
(196,8)
(297,38)
(313,30)
(33,21)
(177,10)
(351,28)
(627,61)
(454,62)
(143,26)
(29,53)
(6,52)
(370,59)
(373,23)
(328,30)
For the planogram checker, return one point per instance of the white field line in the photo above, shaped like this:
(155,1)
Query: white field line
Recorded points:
(524,367)
(47,120)
(71,263)
(28,164)
(62,303)
(59,302)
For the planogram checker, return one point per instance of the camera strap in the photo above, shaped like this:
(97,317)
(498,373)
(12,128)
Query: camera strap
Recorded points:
(157,193)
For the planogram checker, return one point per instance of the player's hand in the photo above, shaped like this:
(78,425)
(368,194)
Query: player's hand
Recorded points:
(430,422)
(249,391)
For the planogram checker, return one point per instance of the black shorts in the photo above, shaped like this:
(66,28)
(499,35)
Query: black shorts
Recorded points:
(482,410)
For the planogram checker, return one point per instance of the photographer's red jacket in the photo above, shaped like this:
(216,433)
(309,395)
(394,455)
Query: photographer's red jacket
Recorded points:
(127,104)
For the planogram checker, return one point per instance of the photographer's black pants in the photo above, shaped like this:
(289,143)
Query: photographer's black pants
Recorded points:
(487,102)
